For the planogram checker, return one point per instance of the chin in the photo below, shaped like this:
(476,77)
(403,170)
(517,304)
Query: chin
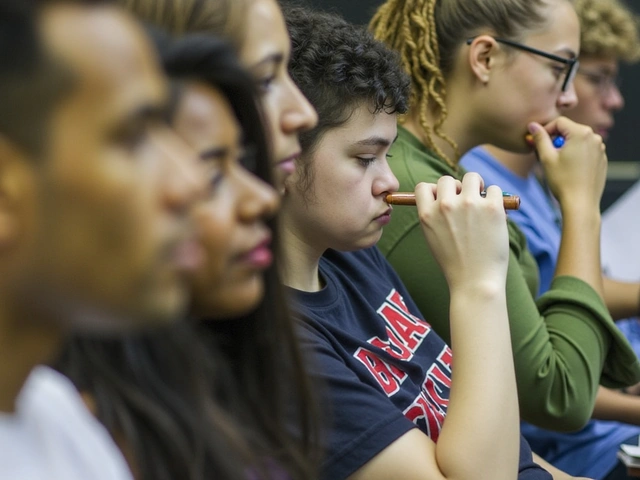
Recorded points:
(230,303)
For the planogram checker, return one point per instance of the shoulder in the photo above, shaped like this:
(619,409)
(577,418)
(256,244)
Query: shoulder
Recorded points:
(59,424)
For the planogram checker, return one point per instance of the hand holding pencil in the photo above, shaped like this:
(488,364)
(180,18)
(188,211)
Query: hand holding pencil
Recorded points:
(466,233)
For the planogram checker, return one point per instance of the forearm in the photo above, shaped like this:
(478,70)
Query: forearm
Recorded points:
(483,377)
(622,298)
(617,406)
(579,253)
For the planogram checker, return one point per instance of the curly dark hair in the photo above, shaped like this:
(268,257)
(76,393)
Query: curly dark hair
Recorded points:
(339,67)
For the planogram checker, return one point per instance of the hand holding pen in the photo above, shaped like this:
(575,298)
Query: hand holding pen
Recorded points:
(576,172)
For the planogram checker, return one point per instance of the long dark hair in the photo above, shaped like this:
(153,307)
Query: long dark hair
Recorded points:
(262,348)
(207,398)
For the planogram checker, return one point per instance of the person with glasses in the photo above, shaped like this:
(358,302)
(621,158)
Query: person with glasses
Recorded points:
(471,86)
(609,35)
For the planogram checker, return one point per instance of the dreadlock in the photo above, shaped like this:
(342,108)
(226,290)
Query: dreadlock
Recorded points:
(428,34)
(409,27)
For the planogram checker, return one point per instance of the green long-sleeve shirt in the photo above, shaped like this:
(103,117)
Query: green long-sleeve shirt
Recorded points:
(564,344)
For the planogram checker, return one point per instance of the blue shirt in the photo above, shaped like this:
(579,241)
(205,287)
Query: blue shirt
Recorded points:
(590,452)
(538,216)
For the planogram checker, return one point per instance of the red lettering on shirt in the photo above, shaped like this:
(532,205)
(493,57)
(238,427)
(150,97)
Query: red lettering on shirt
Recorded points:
(380,370)
(409,328)
(393,347)
(435,384)
(430,407)
(432,415)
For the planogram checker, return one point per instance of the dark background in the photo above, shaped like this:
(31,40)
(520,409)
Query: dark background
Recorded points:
(624,142)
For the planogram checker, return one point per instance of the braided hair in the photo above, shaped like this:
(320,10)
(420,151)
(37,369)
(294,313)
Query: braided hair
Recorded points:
(428,34)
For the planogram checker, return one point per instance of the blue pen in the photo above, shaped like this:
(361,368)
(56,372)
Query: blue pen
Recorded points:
(558,140)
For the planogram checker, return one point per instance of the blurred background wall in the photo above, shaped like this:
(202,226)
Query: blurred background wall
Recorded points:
(623,146)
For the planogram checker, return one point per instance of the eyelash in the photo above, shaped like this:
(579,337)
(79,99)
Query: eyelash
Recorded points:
(134,138)
(366,161)
(265,83)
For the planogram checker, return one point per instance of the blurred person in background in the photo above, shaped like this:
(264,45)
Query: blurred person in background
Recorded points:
(94,213)
(206,398)
(257,31)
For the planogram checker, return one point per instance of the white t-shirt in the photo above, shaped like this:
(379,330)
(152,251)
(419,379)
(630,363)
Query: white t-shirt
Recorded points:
(52,436)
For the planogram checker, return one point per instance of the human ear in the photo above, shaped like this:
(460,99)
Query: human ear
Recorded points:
(482,57)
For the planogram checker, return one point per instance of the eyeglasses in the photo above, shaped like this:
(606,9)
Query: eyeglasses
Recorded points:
(572,64)
(603,81)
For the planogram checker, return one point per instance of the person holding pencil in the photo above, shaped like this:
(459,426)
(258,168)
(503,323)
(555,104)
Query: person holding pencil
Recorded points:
(494,71)
(385,374)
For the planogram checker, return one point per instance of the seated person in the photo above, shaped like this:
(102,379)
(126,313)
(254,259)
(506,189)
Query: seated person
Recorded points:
(387,374)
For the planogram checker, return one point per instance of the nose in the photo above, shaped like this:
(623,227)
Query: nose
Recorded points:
(257,199)
(568,99)
(182,180)
(613,99)
(298,114)
(386,181)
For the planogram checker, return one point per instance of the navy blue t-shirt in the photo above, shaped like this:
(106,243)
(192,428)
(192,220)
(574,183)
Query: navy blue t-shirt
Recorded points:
(383,369)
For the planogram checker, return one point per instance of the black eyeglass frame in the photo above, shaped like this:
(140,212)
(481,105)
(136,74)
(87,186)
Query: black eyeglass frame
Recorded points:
(572,63)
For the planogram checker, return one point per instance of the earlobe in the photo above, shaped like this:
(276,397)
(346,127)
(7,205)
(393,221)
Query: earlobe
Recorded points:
(482,52)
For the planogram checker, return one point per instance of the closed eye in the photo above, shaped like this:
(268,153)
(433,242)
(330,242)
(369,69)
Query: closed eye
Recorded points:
(366,161)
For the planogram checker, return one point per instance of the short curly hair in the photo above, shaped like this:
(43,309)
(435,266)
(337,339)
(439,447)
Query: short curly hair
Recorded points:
(608,29)
(339,66)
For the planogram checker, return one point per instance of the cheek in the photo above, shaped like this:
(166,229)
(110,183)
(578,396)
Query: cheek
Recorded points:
(271,107)
(215,231)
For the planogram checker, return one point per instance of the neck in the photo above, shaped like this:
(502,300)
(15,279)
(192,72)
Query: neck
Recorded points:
(25,342)
(301,261)
(458,125)
(522,164)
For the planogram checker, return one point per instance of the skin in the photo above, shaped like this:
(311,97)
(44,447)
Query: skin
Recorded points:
(265,52)
(231,221)
(351,158)
(98,224)
(596,108)
(345,210)
(506,89)
(495,98)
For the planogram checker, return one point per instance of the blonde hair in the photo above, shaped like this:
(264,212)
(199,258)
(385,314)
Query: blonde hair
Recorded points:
(428,35)
(608,29)
(224,18)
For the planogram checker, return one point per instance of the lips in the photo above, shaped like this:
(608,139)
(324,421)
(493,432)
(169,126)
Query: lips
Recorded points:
(288,165)
(385,217)
(259,257)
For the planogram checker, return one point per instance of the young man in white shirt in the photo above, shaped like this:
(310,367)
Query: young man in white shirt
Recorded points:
(94,197)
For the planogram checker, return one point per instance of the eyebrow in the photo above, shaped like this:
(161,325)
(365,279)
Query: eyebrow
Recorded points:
(214,153)
(139,117)
(375,141)
(147,113)
(272,58)
(568,51)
